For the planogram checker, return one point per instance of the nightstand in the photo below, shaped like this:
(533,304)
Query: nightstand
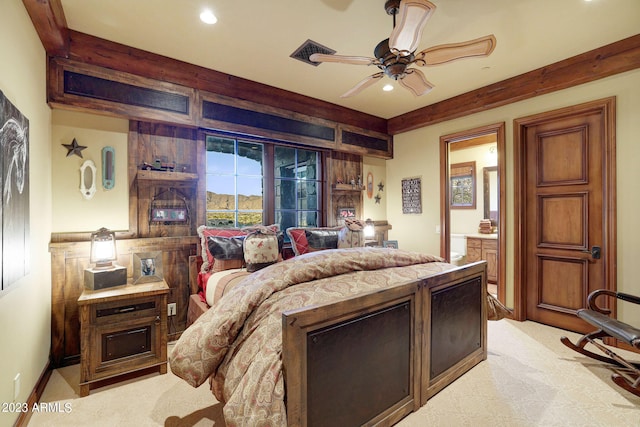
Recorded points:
(122,329)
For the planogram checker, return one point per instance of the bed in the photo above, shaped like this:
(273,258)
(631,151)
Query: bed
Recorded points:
(357,336)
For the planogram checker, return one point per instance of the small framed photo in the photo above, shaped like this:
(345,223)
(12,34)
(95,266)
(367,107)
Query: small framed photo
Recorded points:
(346,213)
(393,244)
(147,267)
(169,214)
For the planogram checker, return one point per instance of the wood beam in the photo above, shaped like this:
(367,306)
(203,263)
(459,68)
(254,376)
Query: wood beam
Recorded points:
(50,24)
(95,51)
(605,61)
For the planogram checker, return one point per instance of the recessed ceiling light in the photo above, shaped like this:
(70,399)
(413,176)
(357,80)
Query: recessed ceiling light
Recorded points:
(387,88)
(208,17)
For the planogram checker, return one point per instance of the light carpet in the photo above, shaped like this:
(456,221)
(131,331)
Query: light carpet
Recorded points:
(528,379)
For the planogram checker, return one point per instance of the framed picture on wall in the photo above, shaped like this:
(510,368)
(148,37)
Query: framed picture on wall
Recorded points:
(462,185)
(412,195)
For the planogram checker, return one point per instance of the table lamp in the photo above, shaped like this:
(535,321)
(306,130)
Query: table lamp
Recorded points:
(105,274)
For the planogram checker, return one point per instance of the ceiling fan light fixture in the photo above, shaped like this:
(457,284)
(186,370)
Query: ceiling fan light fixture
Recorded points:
(208,17)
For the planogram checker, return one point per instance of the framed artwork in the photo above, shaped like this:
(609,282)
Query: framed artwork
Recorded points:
(346,213)
(147,267)
(412,195)
(462,185)
(169,215)
(14,212)
(390,244)
(370,185)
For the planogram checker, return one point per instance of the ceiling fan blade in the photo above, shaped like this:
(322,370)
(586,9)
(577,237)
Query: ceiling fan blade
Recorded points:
(342,59)
(412,17)
(416,82)
(441,54)
(362,85)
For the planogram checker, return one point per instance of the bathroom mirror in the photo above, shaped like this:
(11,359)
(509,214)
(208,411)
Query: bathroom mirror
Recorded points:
(491,193)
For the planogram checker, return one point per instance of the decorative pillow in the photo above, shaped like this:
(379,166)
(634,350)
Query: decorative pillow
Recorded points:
(321,238)
(204,232)
(350,238)
(298,240)
(208,259)
(225,248)
(262,248)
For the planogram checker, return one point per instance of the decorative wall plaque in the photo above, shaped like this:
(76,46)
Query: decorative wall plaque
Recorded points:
(412,195)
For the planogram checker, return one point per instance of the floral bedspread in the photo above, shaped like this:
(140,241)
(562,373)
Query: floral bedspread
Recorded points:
(238,342)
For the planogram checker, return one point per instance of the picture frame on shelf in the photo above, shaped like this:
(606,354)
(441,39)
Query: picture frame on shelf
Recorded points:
(393,244)
(147,267)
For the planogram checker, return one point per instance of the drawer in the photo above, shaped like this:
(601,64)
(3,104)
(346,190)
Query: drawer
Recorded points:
(122,311)
(489,244)
(474,243)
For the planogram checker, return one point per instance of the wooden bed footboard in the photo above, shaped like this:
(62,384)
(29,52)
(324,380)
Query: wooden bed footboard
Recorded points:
(373,358)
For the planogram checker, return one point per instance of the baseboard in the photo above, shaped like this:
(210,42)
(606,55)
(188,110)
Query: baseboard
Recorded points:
(34,396)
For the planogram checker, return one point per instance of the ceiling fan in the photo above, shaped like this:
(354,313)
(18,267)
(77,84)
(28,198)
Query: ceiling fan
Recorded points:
(394,56)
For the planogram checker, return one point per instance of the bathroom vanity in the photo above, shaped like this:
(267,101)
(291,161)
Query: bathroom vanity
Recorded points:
(484,247)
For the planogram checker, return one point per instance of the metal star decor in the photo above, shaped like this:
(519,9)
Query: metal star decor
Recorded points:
(381,186)
(377,198)
(74,148)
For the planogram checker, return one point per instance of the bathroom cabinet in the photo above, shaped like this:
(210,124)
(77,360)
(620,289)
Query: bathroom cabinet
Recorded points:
(485,248)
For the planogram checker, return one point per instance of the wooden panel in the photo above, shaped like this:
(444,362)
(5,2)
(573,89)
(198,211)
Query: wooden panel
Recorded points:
(557,151)
(569,233)
(68,261)
(118,93)
(468,282)
(379,342)
(302,323)
(250,118)
(361,141)
(572,274)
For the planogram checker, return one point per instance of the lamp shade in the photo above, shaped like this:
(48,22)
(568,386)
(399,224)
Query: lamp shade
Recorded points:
(103,248)
(369,229)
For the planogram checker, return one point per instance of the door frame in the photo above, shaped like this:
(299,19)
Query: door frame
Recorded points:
(606,107)
(445,211)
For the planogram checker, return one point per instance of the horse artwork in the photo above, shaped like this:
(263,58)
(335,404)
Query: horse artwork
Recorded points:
(14,185)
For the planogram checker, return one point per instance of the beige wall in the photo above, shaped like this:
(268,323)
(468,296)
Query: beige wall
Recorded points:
(107,208)
(25,310)
(371,209)
(417,153)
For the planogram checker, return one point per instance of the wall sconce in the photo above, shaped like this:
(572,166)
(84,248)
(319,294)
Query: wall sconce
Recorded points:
(369,229)
(105,274)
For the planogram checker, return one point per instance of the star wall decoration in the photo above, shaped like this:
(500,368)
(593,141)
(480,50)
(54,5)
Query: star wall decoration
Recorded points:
(377,198)
(381,186)
(74,148)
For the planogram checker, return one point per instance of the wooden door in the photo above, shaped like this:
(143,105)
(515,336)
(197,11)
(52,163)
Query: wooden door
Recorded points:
(567,212)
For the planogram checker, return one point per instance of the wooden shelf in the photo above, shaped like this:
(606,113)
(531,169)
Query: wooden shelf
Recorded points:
(346,187)
(166,176)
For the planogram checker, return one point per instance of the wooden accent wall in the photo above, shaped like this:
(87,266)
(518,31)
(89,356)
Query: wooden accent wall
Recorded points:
(150,189)
(68,261)
(341,169)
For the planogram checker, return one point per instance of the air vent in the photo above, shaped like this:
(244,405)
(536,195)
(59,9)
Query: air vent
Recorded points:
(307,49)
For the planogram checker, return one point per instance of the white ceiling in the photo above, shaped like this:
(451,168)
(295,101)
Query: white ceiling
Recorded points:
(254,39)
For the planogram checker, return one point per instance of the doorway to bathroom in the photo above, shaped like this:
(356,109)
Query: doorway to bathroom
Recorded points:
(472,201)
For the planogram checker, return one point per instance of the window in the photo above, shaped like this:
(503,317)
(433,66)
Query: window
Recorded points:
(252,183)
(234,182)
(463,185)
